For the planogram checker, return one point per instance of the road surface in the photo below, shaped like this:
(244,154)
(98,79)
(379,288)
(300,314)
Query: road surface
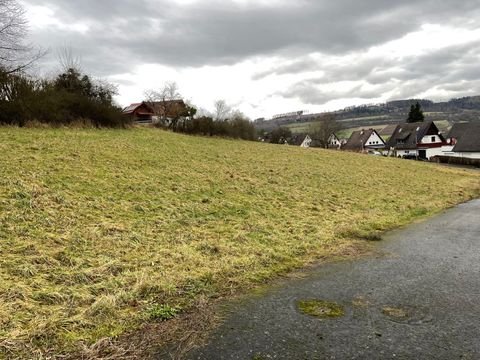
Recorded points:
(420,300)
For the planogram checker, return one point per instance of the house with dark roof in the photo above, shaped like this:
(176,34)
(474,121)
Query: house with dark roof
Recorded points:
(387,131)
(304,140)
(335,142)
(364,140)
(463,140)
(140,113)
(420,140)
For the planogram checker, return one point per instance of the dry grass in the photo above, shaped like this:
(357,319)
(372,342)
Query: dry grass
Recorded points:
(99,227)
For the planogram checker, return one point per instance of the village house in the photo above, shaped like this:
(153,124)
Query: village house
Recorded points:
(364,141)
(304,140)
(140,113)
(334,142)
(387,132)
(463,141)
(155,111)
(307,142)
(420,140)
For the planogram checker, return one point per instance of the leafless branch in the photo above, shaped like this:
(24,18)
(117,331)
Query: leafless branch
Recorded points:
(68,60)
(163,102)
(15,54)
(222,110)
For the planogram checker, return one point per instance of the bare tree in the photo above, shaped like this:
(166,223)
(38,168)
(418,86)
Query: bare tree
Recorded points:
(323,128)
(167,104)
(15,54)
(68,60)
(222,110)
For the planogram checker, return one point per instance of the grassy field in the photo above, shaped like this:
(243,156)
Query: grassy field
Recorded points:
(104,231)
(301,128)
(346,133)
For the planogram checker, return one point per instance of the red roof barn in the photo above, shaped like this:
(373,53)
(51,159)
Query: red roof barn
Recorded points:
(140,113)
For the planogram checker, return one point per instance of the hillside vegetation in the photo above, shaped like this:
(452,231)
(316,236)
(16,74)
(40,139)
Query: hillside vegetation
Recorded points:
(102,231)
(380,115)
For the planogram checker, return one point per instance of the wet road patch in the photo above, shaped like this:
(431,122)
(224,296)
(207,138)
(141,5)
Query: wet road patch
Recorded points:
(409,315)
(320,308)
(395,313)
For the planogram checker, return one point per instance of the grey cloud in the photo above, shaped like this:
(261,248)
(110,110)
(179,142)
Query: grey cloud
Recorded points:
(293,67)
(453,69)
(220,32)
(465,88)
(309,93)
(126,33)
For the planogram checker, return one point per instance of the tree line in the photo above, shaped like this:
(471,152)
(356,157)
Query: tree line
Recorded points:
(237,127)
(320,131)
(224,121)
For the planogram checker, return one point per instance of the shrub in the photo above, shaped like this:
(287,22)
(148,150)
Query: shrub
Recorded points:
(65,100)
(237,127)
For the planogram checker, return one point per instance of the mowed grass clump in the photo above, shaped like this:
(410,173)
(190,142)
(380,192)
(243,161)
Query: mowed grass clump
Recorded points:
(101,231)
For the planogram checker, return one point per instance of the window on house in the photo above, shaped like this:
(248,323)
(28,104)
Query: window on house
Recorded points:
(433,138)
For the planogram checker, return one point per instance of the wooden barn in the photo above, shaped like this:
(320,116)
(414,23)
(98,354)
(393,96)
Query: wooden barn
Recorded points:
(141,113)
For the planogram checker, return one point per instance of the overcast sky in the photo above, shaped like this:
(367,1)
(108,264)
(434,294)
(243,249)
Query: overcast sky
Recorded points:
(270,56)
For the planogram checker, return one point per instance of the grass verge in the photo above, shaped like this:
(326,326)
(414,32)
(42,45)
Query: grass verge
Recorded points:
(105,232)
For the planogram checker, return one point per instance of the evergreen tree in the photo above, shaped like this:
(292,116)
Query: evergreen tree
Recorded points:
(415,114)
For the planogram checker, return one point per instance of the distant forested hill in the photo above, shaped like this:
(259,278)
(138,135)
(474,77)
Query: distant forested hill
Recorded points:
(455,110)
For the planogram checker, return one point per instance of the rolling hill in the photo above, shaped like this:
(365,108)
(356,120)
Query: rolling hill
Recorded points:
(378,115)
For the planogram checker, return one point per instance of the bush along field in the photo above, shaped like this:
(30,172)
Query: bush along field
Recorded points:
(105,232)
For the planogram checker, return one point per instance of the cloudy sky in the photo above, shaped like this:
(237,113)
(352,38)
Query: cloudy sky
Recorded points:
(270,56)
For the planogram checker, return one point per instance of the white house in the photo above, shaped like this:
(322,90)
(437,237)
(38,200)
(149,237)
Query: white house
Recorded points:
(364,140)
(463,141)
(307,142)
(334,142)
(417,140)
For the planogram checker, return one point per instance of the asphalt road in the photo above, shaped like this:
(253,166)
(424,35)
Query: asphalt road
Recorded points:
(429,275)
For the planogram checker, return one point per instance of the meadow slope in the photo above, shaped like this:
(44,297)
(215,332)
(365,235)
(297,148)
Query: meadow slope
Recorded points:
(102,231)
